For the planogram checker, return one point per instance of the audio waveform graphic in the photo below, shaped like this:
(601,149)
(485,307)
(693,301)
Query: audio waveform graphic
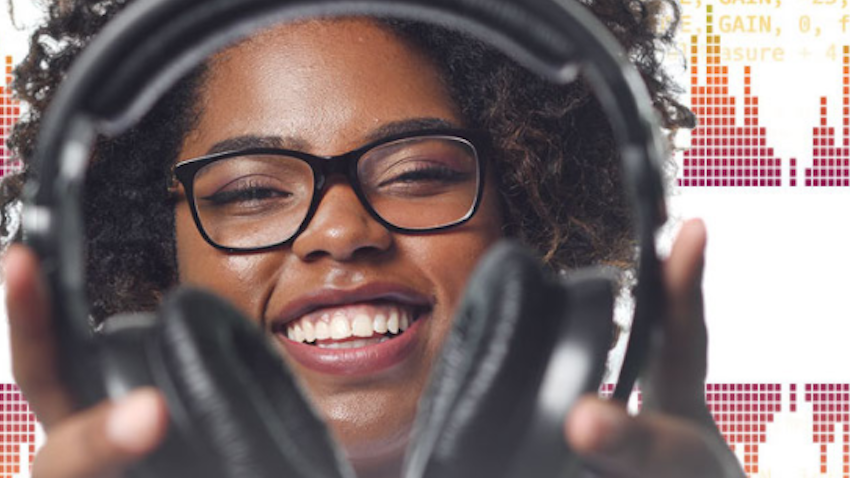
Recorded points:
(742,412)
(10,111)
(723,153)
(17,433)
(831,158)
(831,409)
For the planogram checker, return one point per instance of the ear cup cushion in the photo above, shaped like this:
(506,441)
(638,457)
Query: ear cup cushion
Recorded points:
(483,400)
(126,340)
(575,367)
(235,394)
(484,386)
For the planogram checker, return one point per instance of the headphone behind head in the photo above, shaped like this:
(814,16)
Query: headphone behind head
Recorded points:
(228,418)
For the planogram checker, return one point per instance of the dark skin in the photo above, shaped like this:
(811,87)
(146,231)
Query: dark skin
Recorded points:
(346,81)
(336,100)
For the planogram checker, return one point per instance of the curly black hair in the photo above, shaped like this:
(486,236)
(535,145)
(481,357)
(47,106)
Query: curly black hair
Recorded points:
(555,157)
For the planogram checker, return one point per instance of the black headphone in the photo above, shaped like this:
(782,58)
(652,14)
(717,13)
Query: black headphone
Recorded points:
(481,415)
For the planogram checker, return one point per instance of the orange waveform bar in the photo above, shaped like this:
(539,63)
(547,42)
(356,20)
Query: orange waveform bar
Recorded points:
(723,153)
(831,159)
(10,111)
(830,411)
(742,412)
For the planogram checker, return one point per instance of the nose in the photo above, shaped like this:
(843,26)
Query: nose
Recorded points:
(341,228)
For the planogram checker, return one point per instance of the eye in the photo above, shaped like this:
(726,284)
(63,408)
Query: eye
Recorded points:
(420,167)
(251,195)
(423,172)
(246,191)
(252,184)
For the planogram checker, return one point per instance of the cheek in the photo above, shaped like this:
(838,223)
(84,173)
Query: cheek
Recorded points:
(449,259)
(191,249)
(450,263)
(453,256)
(240,278)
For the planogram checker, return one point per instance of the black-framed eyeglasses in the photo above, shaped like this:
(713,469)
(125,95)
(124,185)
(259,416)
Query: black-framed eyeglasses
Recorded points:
(261,198)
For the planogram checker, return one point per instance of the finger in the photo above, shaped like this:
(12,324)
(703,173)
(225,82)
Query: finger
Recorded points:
(657,446)
(33,343)
(683,272)
(683,269)
(676,377)
(105,439)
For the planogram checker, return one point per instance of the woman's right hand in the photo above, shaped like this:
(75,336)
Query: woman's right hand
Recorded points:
(97,442)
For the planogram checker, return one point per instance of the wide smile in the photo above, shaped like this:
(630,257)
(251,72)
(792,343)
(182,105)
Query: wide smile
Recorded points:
(352,326)
(353,333)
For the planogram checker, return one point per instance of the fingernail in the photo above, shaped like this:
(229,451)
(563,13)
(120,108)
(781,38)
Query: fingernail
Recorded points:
(134,423)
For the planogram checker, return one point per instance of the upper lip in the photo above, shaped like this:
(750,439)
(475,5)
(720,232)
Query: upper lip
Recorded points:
(330,297)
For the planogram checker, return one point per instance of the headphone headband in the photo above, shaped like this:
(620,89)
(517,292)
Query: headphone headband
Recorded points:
(122,72)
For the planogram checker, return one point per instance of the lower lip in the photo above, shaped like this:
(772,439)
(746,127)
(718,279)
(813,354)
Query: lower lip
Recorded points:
(359,361)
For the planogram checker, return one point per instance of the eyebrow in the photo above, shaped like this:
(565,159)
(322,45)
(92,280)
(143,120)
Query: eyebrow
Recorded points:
(252,142)
(409,126)
(299,144)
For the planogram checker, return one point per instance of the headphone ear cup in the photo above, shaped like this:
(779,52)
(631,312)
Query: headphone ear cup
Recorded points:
(486,395)
(232,398)
(575,367)
(127,343)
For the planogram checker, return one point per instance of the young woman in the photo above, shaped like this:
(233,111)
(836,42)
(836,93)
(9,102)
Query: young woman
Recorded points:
(358,306)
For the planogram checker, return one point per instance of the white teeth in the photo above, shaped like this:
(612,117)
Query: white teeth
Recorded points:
(309,331)
(362,326)
(340,328)
(379,325)
(392,323)
(322,331)
(341,324)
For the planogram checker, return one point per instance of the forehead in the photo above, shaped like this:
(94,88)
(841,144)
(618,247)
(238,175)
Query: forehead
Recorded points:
(328,83)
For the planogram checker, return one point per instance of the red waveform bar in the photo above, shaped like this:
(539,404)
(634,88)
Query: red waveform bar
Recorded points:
(17,432)
(832,160)
(722,153)
(793,172)
(742,412)
(793,397)
(10,111)
(830,409)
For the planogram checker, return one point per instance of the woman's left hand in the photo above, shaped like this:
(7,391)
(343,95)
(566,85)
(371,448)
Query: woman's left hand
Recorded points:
(675,435)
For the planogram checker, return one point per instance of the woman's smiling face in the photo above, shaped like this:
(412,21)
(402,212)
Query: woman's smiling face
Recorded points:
(328,87)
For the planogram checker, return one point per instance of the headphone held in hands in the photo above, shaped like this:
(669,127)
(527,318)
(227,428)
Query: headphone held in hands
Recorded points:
(235,410)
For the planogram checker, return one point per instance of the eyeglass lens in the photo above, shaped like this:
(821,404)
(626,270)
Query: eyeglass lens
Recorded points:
(418,183)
